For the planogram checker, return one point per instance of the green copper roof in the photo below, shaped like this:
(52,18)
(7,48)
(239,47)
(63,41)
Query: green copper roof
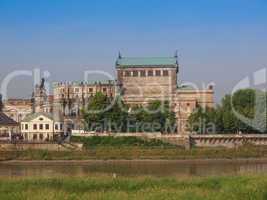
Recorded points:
(186,87)
(147,61)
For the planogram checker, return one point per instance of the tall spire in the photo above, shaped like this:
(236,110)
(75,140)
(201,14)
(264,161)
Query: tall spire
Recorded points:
(119,55)
(1,103)
(177,60)
(176,54)
(42,83)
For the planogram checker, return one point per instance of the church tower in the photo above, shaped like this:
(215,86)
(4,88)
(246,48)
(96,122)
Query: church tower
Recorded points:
(39,99)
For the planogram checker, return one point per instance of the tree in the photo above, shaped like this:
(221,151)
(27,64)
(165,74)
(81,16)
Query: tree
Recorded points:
(244,111)
(155,117)
(104,114)
(203,121)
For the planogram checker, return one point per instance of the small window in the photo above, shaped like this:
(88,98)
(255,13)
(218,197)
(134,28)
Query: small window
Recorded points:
(56,126)
(41,119)
(61,126)
(90,89)
(26,126)
(35,127)
(22,126)
(127,73)
(150,73)
(47,126)
(165,73)
(77,90)
(104,89)
(143,73)
(41,126)
(135,73)
(158,73)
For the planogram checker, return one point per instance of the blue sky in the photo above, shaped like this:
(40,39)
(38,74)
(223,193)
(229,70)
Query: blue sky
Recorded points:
(220,41)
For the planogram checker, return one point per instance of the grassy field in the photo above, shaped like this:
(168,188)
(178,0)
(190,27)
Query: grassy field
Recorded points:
(136,152)
(220,188)
(104,148)
(95,141)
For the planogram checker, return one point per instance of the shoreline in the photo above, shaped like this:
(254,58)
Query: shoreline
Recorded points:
(90,161)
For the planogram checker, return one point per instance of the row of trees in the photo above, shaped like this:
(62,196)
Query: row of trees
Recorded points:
(112,115)
(242,112)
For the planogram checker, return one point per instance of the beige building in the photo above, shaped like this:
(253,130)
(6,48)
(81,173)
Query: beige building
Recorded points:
(41,127)
(70,98)
(142,80)
(139,81)
(17,109)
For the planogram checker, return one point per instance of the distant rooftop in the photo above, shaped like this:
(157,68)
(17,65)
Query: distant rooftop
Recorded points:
(6,121)
(31,116)
(146,61)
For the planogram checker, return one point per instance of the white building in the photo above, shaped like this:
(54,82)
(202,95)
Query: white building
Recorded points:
(41,127)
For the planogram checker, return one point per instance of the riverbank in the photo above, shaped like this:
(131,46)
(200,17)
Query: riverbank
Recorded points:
(178,162)
(112,187)
(138,153)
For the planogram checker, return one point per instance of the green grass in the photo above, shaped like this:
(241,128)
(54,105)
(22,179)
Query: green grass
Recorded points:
(103,187)
(103,148)
(90,142)
(137,152)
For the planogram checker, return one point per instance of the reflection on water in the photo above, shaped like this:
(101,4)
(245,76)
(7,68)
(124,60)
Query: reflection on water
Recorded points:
(132,168)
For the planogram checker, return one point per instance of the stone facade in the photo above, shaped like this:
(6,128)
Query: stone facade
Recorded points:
(41,127)
(142,80)
(70,98)
(139,81)
(186,100)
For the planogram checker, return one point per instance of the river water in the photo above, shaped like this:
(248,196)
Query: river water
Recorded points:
(132,168)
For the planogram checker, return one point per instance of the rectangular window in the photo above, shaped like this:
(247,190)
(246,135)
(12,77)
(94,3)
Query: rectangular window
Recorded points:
(35,127)
(143,73)
(56,126)
(26,126)
(34,136)
(127,73)
(76,89)
(61,126)
(47,126)
(104,89)
(165,73)
(150,73)
(135,73)
(41,126)
(22,126)
(158,73)
(41,136)
(90,89)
